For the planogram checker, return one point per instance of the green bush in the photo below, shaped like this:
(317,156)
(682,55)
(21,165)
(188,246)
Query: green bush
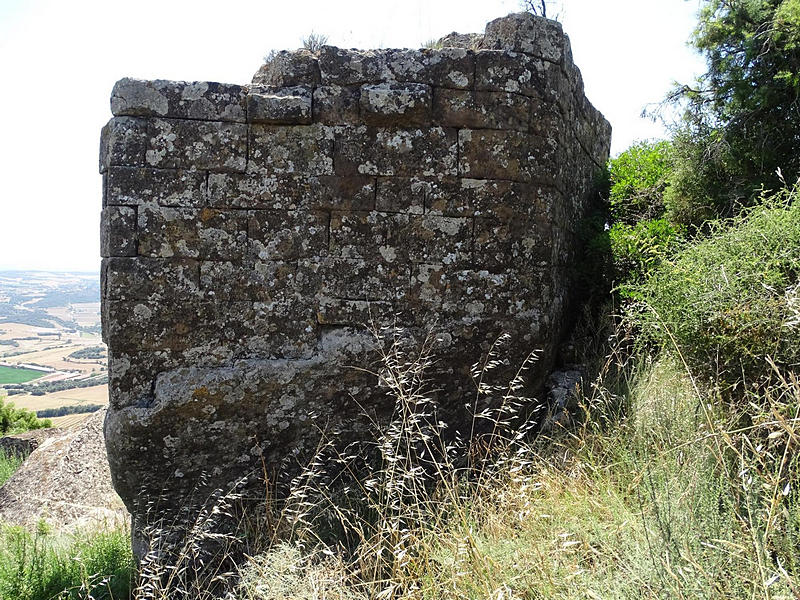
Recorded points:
(9,463)
(640,248)
(40,566)
(638,179)
(729,301)
(16,420)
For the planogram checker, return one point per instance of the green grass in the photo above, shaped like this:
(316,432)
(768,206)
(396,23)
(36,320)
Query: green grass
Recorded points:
(14,375)
(43,566)
(9,463)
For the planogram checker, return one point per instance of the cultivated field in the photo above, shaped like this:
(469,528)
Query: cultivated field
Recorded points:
(44,318)
(13,375)
(97,394)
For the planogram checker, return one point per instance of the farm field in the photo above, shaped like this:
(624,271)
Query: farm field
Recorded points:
(12,375)
(69,420)
(97,394)
(58,358)
(44,319)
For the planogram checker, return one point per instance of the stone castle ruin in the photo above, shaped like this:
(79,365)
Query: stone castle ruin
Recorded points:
(250,232)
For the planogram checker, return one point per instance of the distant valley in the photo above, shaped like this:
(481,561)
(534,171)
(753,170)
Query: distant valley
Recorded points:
(52,358)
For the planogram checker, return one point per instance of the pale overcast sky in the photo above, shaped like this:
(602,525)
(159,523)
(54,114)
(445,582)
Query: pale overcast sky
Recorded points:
(59,61)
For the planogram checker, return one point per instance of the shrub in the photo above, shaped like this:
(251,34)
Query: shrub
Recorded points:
(41,566)
(16,420)
(638,180)
(640,248)
(729,301)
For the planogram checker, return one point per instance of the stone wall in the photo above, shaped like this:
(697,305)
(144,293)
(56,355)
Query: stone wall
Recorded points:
(251,231)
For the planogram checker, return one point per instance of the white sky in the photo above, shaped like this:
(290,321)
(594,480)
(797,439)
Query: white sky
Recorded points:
(59,61)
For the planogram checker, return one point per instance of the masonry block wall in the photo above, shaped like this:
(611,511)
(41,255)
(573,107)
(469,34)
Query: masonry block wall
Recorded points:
(250,232)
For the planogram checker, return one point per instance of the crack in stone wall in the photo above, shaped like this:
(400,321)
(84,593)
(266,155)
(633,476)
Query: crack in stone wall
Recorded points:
(249,232)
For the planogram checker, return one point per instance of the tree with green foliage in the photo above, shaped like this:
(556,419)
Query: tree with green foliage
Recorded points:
(16,420)
(741,120)
(638,178)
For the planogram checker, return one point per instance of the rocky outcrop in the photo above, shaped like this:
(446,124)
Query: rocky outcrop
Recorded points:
(65,482)
(22,444)
(251,232)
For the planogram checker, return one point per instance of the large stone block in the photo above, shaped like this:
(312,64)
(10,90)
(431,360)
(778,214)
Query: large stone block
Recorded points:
(433,238)
(202,100)
(259,280)
(481,110)
(401,194)
(205,233)
(494,154)
(390,151)
(153,279)
(207,145)
(132,186)
(336,105)
(280,150)
(123,142)
(369,235)
(287,235)
(528,33)
(399,104)
(448,67)
(279,106)
(504,71)
(367,279)
(118,231)
(288,69)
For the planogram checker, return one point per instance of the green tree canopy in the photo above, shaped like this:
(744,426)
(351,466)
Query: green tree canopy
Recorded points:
(742,118)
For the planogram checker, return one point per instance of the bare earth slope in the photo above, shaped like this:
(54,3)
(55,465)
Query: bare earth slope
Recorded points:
(65,481)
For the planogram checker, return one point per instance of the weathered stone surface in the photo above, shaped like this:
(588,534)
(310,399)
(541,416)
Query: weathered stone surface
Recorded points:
(368,280)
(202,100)
(286,235)
(276,150)
(205,233)
(123,142)
(470,41)
(280,106)
(504,71)
(144,278)
(118,231)
(390,151)
(500,199)
(289,69)
(372,235)
(401,194)
(334,104)
(481,110)
(209,145)
(528,33)
(131,186)
(448,67)
(441,190)
(494,154)
(403,104)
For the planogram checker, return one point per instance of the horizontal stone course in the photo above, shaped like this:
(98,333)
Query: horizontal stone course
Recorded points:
(387,151)
(133,186)
(204,233)
(201,100)
(280,106)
